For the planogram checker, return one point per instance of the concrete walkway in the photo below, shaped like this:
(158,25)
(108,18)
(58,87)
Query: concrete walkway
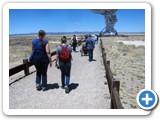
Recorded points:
(88,90)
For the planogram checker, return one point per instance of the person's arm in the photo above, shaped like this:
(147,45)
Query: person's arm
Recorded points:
(93,44)
(71,40)
(71,57)
(56,60)
(70,50)
(86,43)
(32,47)
(77,39)
(57,56)
(48,53)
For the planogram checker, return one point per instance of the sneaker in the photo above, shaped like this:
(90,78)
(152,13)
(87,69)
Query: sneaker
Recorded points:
(90,60)
(67,90)
(62,87)
(38,87)
(44,89)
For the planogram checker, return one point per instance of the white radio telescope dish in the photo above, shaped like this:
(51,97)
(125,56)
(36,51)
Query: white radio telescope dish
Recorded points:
(110,19)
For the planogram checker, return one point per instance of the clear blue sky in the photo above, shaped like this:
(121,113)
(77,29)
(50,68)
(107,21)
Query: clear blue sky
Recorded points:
(70,20)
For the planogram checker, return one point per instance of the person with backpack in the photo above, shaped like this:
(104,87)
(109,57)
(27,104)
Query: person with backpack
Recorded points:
(40,58)
(74,42)
(90,44)
(64,57)
(96,39)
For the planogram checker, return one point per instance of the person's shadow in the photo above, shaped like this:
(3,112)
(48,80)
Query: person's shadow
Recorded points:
(76,51)
(94,60)
(73,86)
(52,86)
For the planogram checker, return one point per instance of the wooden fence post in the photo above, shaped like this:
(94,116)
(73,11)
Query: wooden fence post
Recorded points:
(26,69)
(108,62)
(116,85)
(105,61)
(109,70)
(111,106)
(105,56)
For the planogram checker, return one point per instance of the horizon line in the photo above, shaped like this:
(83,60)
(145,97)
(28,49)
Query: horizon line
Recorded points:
(67,32)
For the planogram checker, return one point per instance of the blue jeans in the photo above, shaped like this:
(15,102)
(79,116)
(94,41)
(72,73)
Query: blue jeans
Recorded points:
(90,53)
(96,41)
(41,72)
(74,46)
(65,73)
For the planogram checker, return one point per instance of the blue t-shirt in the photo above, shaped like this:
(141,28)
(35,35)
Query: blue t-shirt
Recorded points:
(90,43)
(38,51)
(37,44)
(59,49)
(61,64)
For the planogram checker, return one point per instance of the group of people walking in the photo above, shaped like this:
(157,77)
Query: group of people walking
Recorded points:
(41,58)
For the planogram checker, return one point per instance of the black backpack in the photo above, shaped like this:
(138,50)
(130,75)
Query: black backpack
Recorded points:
(74,40)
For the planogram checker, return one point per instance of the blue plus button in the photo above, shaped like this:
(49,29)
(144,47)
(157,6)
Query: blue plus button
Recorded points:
(147,99)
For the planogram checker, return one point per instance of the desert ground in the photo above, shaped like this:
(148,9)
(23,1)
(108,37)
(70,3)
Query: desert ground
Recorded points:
(87,88)
(126,55)
(127,59)
(20,47)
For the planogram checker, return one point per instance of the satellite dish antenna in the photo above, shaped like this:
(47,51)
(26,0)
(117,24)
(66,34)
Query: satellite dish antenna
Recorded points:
(110,20)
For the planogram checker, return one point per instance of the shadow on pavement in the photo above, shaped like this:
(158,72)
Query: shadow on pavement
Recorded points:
(52,86)
(94,60)
(76,51)
(73,86)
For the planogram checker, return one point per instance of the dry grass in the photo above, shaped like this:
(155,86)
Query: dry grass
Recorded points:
(20,46)
(128,66)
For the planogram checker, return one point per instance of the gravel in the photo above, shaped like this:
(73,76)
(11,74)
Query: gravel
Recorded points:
(87,81)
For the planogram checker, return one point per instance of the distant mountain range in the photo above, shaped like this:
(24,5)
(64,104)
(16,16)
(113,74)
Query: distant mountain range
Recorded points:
(71,33)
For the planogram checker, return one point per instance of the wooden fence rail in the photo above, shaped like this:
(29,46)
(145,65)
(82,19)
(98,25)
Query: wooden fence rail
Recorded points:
(113,85)
(16,69)
(25,66)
